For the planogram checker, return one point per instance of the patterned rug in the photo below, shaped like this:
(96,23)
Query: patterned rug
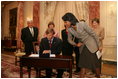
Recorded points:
(9,70)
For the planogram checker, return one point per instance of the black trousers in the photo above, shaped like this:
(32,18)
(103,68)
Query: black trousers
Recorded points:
(49,71)
(77,54)
(69,52)
(29,48)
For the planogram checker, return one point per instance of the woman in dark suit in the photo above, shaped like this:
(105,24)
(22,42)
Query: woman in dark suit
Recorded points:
(89,43)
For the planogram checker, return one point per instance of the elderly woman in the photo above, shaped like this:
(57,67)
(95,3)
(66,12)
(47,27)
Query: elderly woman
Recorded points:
(99,32)
(88,45)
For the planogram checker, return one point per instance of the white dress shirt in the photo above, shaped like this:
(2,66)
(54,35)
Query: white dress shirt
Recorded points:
(31,30)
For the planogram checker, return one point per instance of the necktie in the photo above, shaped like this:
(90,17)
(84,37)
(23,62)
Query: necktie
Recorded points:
(50,43)
(32,31)
(66,32)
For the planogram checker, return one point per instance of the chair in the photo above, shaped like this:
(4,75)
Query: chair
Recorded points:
(35,44)
(18,54)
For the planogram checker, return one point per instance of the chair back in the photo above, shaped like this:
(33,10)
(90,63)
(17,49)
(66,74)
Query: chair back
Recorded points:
(36,46)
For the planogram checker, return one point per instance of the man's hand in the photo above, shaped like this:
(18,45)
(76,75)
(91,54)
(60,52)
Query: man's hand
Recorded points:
(37,48)
(79,44)
(46,51)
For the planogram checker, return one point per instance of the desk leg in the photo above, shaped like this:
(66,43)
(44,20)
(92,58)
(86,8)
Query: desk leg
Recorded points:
(29,72)
(36,72)
(21,72)
(39,74)
(16,60)
(70,73)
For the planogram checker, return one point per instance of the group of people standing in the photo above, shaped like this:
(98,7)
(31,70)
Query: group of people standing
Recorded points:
(77,37)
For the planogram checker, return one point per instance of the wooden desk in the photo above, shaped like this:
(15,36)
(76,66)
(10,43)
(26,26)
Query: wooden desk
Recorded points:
(58,62)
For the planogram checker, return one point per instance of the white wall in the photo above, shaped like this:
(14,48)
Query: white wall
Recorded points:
(108,19)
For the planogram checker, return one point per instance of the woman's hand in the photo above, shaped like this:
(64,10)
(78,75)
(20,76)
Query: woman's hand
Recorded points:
(100,49)
(79,44)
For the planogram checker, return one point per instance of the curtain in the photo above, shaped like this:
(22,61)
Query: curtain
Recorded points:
(82,10)
(94,10)
(54,10)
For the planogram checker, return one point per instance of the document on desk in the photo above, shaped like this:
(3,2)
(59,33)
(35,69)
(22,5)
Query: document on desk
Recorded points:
(99,54)
(52,55)
(34,55)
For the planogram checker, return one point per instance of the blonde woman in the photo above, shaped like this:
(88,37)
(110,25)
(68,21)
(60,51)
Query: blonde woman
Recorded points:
(99,32)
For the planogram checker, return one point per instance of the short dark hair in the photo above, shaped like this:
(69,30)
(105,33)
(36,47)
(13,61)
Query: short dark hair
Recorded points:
(51,23)
(96,20)
(71,18)
(49,30)
(82,20)
(36,44)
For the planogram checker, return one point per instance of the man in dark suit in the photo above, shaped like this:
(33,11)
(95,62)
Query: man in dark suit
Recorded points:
(53,45)
(67,48)
(29,35)
(77,53)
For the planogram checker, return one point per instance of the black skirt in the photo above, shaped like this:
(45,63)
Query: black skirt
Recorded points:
(88,59)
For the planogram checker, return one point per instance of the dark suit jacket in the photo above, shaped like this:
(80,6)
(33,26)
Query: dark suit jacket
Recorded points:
(27,38)
(67,48)
(55,48)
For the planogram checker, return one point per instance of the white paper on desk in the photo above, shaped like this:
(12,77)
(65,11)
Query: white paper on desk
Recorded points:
(34,55)
(99,54)
(52,55)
